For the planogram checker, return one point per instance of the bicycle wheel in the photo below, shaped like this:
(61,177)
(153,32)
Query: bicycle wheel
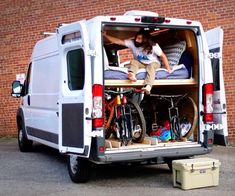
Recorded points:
(188,108)
(139,126)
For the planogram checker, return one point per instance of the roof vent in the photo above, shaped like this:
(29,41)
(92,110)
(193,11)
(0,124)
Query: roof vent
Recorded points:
(140,13)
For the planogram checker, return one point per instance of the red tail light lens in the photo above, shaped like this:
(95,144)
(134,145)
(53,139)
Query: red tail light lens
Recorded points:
(97,110)
(208,102)
(101,148)
(210,141)
(112,18)
(97,122)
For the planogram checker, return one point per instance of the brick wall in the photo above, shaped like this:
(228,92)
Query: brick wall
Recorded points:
(21,22)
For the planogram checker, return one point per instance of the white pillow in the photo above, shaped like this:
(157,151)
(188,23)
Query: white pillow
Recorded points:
(174,52)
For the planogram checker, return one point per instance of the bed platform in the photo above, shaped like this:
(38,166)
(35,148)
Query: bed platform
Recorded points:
(140,83)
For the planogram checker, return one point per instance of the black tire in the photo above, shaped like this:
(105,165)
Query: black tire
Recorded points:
(176,127)
(138,116)
(78,168)
(25,145)
(169,164)
(188,108)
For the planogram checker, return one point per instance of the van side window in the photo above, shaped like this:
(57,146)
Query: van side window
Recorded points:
(25,89)
(75,65)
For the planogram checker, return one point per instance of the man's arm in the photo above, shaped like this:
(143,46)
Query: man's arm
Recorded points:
(165,62)
(114,39)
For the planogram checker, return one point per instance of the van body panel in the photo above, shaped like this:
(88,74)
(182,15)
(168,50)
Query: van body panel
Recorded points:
(96,54)
(215,43)
(76,99)
(45,47)
(44,94)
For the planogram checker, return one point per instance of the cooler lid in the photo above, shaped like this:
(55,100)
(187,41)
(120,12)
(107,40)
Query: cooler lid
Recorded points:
(197,163)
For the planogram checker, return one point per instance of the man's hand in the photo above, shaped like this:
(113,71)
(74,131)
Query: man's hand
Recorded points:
(113,39)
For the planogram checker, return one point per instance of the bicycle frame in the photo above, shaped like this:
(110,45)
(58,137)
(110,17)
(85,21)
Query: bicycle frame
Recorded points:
(121,112)
(110,106)
(173,112)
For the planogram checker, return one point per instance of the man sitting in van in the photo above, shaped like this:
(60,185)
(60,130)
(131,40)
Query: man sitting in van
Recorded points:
(145,56)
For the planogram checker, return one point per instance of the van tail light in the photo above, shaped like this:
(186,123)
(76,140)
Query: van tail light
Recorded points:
(208,102)
(97,110)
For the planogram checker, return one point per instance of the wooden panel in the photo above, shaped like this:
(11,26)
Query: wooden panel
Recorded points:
(128,83)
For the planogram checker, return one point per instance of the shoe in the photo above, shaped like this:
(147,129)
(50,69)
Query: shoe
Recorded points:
(132,77)
(147,89)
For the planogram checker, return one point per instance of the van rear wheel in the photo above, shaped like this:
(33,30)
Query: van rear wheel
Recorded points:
(78,168)
(25,145)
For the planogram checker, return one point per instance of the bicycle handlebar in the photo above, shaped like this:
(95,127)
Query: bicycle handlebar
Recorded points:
(169,97)
(124,92)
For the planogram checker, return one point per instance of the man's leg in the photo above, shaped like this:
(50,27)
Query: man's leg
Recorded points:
(149,80)
(134,67)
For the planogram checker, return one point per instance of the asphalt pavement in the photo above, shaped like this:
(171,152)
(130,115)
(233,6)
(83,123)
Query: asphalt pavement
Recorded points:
(44,172)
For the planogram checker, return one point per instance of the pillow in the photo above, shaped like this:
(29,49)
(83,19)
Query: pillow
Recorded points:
(187,60)
(174,52)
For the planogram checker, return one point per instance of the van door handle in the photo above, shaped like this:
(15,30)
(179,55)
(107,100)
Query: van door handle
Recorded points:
(219,112)
(88,118)
(28,99)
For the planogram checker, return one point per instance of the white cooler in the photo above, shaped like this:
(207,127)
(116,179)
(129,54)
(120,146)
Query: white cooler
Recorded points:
(195,173)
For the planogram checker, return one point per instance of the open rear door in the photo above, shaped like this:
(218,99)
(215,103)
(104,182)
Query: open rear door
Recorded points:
(215,42)
(75,102)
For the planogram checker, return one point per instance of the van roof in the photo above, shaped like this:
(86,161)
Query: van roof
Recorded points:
(45,46)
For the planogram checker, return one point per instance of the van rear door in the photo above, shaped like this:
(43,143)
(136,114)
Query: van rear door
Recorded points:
(75,102)
(215,42)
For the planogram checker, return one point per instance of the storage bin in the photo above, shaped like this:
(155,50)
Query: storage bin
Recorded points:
(195,173)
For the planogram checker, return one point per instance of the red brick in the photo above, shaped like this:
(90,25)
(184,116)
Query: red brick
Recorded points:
(22,21)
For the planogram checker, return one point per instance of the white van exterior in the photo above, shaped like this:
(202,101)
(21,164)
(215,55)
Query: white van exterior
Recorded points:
(59,113)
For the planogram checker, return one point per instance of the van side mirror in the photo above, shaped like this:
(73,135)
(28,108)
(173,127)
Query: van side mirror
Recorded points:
(16,88)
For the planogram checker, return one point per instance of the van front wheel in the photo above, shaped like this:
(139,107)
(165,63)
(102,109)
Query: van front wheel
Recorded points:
(78,168)
(25,145)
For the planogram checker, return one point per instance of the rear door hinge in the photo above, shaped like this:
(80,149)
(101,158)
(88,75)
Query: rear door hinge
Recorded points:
(97,133)
(91,53)
(214,127)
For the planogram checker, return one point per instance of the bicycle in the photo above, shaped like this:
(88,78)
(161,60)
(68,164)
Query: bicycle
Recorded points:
(173,113)
(124,117)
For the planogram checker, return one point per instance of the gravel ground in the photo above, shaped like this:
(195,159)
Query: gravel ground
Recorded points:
(44,172)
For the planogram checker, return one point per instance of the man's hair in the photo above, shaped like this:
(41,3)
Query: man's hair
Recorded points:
(146,44)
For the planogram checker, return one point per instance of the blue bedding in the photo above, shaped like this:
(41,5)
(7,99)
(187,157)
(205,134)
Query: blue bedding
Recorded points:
(179,72)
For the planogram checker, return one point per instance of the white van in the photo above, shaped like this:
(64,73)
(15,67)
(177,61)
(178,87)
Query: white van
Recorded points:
(77,98)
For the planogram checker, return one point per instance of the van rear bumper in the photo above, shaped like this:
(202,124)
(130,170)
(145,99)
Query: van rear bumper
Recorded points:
(163,153)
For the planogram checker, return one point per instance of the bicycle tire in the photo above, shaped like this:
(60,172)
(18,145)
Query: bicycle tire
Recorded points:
(175,127)
(194,116)
(141,119)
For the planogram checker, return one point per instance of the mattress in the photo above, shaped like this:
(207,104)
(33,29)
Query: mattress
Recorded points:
(121,73)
